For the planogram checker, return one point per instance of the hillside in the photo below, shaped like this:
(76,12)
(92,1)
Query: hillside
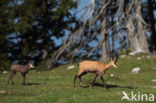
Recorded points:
(55,86)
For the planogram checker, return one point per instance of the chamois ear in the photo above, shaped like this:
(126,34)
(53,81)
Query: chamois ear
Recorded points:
(116,59)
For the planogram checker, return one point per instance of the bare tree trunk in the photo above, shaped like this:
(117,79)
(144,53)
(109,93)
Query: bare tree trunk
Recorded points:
(113,40)
(142,33)
(137,32)
(152,22)
(123,13)
(44,54)
(105,55)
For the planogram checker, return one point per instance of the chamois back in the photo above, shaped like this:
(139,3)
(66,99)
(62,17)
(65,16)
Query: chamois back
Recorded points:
(19,68)
(90,65)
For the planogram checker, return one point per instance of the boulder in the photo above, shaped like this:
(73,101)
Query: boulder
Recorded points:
(136,70)
(71,67)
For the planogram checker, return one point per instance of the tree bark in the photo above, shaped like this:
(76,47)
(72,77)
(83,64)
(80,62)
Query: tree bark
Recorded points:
(105,55)
(137,33)
(142,33)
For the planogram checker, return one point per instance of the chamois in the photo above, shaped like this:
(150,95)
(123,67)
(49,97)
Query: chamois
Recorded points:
(23,69)
(94,67)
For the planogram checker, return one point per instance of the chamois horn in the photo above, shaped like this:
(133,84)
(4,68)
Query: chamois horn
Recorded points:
(116,59)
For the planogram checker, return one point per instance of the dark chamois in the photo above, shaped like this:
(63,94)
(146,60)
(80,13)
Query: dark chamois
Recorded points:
(23,69)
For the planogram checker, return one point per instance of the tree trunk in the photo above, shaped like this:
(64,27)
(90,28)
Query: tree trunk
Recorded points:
(142,33)
(152,23)
(44,55)
(113,40)
(105,55)
(137,35)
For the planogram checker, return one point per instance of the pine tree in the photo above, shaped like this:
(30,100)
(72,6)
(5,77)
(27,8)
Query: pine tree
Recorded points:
(5,29)
(35,23)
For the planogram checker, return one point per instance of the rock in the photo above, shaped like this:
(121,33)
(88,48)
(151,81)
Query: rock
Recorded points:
(148,57)
(153,80)
(122,56)
(4,72)
(2,92)
(53,71)
(38,72)
(138,58)
(132,53)
(153,87)
(136,52)
(154,68)
(135,70)
(112,75)
(5,92)
(71,67)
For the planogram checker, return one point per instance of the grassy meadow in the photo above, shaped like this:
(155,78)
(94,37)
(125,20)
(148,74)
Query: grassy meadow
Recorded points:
(56,86)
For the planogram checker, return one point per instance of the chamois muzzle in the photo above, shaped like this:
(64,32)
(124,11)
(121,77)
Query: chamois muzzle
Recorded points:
(31,65)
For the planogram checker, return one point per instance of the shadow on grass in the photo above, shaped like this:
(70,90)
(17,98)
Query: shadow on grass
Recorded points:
(109,86)
(30,84)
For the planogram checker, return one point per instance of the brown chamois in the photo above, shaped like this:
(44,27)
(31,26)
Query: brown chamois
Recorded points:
(23,69)
(94,67)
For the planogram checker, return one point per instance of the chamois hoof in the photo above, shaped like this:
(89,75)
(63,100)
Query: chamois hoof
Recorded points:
(105,88)
(91,86)
(81,84)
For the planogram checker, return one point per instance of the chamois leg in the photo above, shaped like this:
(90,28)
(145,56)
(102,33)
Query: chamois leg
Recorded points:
(75,77)
(81,84)
(91,86)
(11,77)
(101,77)
(24,77)
(80,80)
(79,76)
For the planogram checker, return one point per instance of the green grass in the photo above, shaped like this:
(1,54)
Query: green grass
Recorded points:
(55,86)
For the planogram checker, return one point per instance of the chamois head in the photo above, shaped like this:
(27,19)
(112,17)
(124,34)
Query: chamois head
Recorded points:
(31,65)
(113,63)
